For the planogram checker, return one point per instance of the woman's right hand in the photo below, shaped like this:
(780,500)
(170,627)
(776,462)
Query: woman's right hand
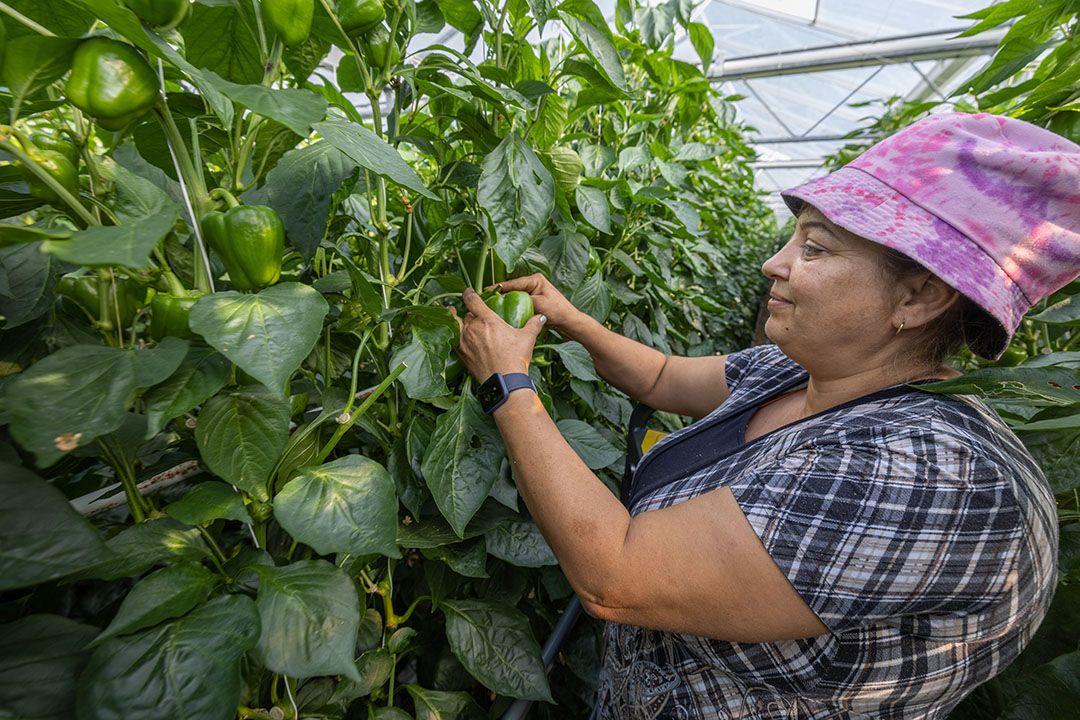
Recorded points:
(546,298)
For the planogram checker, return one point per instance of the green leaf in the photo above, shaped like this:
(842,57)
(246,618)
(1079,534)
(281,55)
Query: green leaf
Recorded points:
(345,506)
(127,245)
(301,187)
(656,23)
(374,669)
(518,193)
(167,593)
(1052,385)
(1067,422)
(29,276)
(597,159)
(994,15)
(80,393)
(241,434)
(267,334)
(425,359)
(462,461)
(138,548)
(568,254)
(202,374)
(576,359)
(223,39)
(520,543)
(592,447)
(704,43)
(310,616)
(599,47)
(443,704)
(1050,692)
(54,15)
(1066,312)
(209,500)
(1058,454)
(593,297)
(299,110)
(1012,56)
(550,121)
(494,643)
(134,197)
(32,62)
(467,558)
(593,204)
(461,14)
(372,152)
(42,536)
(188,669)
(40,658)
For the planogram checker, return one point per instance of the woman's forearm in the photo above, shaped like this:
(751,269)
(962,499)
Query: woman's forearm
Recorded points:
(627,364)
(582,521)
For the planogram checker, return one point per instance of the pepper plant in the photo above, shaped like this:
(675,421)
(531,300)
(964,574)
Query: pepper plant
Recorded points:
(243,472)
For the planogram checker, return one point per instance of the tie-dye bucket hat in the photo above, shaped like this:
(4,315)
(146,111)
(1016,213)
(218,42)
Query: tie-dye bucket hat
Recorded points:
(989,204)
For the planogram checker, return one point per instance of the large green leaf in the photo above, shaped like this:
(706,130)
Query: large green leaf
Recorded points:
(1050,692)
(373,667)
(138,548)
(425,359)
(40,658)
(28,277)
(593,297)
(188,669)
(467,558)
(82,392)
(577,360)
(310,615)
(42,536)
(267,334)
(599,47)
(209,500)
(128,245)
(300,188)
(222,38)
(656,23)
(520,543)
(1066,312)
(241,434)
(202,373)
(30,63)
(593,204)
(167,593)
(592,447)
(55,15)
(494,643)
(345,506)
(704,43)
(462,461)
(372,152)
(1049,385)
(568,254)
(299,110)
(518,193)
(443,704)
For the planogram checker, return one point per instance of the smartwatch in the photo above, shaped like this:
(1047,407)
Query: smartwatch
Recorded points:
(496,389)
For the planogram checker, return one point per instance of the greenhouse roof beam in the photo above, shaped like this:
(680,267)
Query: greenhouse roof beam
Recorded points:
(886,51)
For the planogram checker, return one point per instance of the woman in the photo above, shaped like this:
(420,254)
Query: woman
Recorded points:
(827,541)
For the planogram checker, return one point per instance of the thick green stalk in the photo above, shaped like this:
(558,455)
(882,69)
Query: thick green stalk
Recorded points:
(352,418)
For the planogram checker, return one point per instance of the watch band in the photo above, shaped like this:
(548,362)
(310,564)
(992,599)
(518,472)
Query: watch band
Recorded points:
(496,389)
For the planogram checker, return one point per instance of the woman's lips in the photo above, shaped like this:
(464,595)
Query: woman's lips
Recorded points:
(778,302)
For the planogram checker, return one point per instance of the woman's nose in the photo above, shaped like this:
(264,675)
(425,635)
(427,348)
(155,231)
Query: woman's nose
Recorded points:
(776,266)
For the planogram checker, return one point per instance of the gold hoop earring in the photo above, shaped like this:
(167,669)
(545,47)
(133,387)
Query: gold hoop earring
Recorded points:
(899,328)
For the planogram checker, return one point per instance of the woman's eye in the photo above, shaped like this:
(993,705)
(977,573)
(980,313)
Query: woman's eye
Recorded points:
(809,250)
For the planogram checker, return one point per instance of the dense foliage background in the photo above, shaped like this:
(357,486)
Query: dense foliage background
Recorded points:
(286,499)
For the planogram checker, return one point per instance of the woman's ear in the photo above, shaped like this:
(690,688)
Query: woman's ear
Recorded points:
(924,297)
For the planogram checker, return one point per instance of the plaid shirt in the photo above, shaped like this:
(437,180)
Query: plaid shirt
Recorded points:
(917,527)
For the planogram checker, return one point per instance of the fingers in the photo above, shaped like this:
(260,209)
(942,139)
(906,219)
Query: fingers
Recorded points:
(476,304)
(530,283)
(535,325)
(460,325)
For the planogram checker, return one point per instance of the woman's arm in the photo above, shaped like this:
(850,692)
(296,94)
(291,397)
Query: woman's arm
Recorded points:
(682,385)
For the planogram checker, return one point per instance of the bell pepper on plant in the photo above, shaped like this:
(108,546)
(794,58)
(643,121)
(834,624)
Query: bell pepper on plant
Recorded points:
(380,50)
(46,141)
(515,307)
(250,240)
(82,292)
(160,14)
(169,314)
(290,19)
(57,166)
(111,82)
(359,16)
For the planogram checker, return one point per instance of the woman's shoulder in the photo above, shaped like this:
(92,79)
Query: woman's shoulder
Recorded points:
(759,369)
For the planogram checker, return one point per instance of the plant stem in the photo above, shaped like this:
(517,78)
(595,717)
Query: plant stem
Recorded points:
(226,196)
(368,402)
(216,555)
(19,17)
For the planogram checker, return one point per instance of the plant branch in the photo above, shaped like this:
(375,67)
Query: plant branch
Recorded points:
(19,17)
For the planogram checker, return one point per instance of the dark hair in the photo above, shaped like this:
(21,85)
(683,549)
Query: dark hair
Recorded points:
(964,323)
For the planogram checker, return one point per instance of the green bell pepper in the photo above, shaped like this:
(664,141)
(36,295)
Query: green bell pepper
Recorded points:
(56,165)
(169,315)
(111,82)
(82,292)
(160,14)
(380,50)
(250,240)
(290,19)
(56,144)
(515,307)
(359,16)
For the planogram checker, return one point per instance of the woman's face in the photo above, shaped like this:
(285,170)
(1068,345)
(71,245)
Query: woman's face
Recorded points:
(830,309)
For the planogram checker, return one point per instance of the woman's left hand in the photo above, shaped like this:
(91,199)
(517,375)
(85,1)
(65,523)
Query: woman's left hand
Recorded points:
(489,345)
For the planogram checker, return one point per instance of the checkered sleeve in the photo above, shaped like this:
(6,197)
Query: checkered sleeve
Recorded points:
(756,366)
(897,530)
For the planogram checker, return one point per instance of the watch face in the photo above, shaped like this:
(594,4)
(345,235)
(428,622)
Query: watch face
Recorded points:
(491,392)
